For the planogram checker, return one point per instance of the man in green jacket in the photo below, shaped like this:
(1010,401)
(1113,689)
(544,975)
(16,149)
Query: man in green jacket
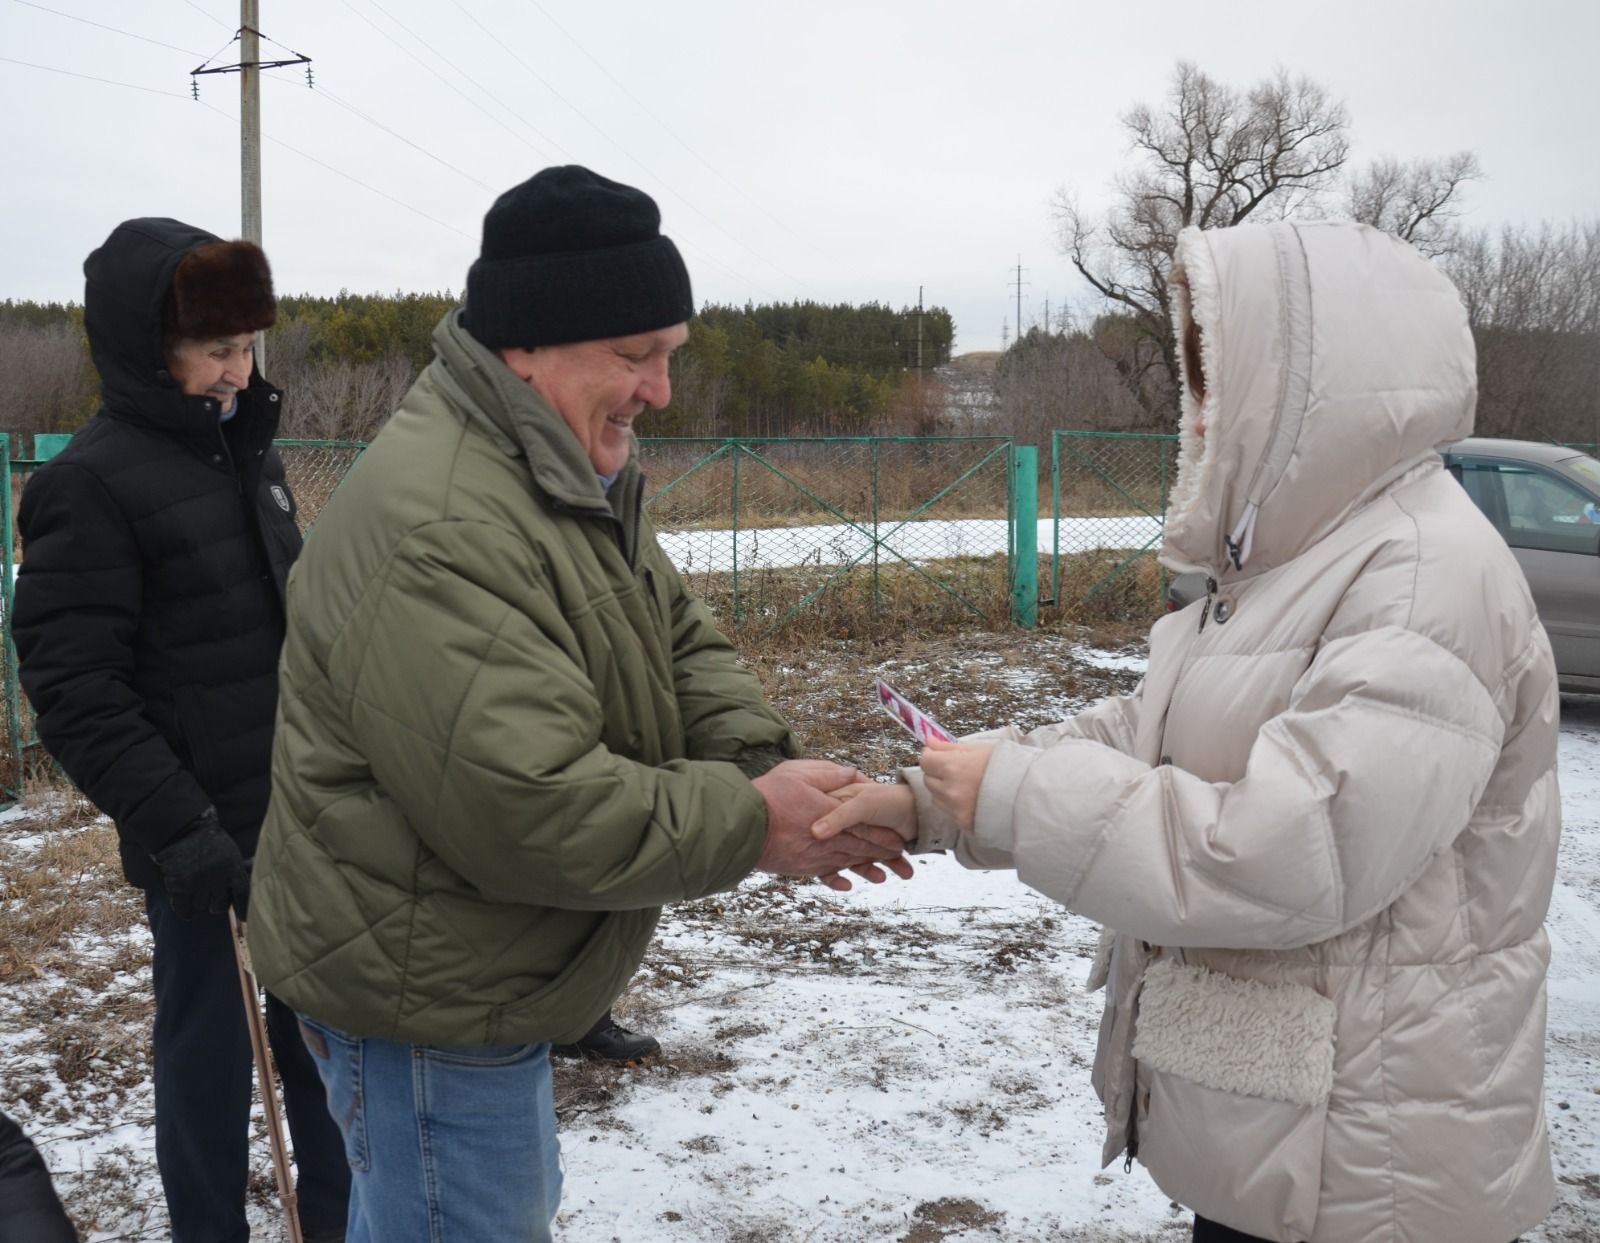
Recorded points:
(507,734)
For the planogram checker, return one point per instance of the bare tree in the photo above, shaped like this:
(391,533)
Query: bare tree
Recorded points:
(1418,200)
(1211,156)
(334,398)
(1533,299)
(50,384)
(1050,380)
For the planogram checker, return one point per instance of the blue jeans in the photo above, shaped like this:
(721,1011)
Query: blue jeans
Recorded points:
(445,1142)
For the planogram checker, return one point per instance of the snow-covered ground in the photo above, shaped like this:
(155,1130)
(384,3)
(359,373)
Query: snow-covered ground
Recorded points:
(906,1062)
(839,544)
(938,1050)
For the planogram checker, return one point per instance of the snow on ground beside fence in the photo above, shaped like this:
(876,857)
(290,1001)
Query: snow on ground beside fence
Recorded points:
(840,543)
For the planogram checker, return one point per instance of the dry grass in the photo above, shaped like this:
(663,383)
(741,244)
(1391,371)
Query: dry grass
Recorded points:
(796,607)
(1115,608)
(54,890)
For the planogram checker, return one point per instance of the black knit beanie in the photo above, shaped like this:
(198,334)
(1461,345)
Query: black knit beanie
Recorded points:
(570,255)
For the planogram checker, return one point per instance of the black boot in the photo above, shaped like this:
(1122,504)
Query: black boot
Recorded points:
(608,1041)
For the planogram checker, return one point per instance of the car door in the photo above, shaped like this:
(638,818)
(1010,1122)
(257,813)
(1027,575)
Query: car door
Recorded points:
(1549,523)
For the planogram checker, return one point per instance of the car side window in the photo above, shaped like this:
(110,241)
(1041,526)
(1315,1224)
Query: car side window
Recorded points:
(1482,483)
(1547,513)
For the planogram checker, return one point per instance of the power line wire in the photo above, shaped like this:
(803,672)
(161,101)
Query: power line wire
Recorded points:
(649,112)
(543,155)
(89,77)
(709,261)
(351,108)
(514,113)
(656,177)
(203,13)
(339,172)
(149,90)
(72,17)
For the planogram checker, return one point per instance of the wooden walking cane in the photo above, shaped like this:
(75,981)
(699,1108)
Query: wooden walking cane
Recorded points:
(266,1078)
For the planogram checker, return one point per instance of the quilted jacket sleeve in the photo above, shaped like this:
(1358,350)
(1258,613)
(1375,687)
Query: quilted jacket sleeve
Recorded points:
(1377,763)
(725,713)
(492,746)
(76,613)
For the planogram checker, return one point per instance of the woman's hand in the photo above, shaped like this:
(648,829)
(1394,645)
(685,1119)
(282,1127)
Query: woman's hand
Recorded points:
(871,803)
(953,772)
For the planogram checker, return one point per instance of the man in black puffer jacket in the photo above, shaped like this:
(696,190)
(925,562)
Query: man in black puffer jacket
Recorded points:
(148,617)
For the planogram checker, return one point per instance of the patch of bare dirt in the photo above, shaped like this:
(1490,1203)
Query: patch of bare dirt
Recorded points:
(934,1220)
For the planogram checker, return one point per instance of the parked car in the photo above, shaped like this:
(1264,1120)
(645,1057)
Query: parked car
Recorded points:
(1544,499)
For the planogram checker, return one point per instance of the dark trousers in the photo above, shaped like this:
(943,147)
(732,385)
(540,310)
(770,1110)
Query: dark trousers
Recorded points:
(203,1069)
(29,1207)
(1210,1232)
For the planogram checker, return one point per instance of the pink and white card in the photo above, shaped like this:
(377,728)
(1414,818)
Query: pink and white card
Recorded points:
(918,723)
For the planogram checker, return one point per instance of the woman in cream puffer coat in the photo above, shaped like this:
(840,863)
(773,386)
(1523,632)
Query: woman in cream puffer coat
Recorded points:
(1325,827)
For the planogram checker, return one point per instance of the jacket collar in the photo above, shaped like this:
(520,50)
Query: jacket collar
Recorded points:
(1337,360)
(519,420)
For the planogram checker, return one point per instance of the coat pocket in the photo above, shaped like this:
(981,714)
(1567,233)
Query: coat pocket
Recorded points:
(1238,1074)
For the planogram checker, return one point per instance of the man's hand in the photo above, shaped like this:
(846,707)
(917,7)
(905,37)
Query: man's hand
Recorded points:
(796,796)
(203,871)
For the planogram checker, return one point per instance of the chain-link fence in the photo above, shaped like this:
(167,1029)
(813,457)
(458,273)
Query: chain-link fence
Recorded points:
(841,533)
(314,469)
(836,530)
(1109,500)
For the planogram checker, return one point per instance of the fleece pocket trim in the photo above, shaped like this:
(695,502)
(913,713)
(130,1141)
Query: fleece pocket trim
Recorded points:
(1269,1040)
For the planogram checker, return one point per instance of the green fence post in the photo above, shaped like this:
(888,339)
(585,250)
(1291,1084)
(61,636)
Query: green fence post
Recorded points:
(47,444)
(1025,538)
(13,690)
(738,611)
(1055,520)
(877,595)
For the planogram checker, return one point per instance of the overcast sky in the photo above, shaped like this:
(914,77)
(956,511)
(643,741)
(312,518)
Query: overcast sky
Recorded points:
(837,151)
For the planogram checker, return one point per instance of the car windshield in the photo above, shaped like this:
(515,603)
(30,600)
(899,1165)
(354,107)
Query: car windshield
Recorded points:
(1584,467)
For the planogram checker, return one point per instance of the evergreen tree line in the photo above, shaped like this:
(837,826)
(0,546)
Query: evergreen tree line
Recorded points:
(344,362)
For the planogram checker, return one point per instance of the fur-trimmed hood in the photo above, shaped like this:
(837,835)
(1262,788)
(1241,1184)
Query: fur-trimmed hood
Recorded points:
(127,281)
(1336,359)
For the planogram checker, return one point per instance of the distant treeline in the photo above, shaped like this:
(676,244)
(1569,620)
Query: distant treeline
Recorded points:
(345,361)
(1532,295)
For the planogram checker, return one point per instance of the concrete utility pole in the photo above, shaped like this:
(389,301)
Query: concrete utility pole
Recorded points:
(250,119)
(249,70)
(250,135)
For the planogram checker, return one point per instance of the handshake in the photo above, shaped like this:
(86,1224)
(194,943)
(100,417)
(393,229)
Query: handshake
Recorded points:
(800,794)
(825,818)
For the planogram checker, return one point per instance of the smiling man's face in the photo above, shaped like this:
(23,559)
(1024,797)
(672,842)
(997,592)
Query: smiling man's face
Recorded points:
(600,387)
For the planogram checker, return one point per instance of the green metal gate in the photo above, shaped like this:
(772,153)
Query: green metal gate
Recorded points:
(1109,494)
(908,529)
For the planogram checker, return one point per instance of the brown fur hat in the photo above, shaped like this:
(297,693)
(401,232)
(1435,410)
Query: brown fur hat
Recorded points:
(218,290)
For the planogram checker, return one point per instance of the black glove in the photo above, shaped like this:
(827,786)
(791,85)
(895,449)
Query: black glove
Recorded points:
(203,869)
